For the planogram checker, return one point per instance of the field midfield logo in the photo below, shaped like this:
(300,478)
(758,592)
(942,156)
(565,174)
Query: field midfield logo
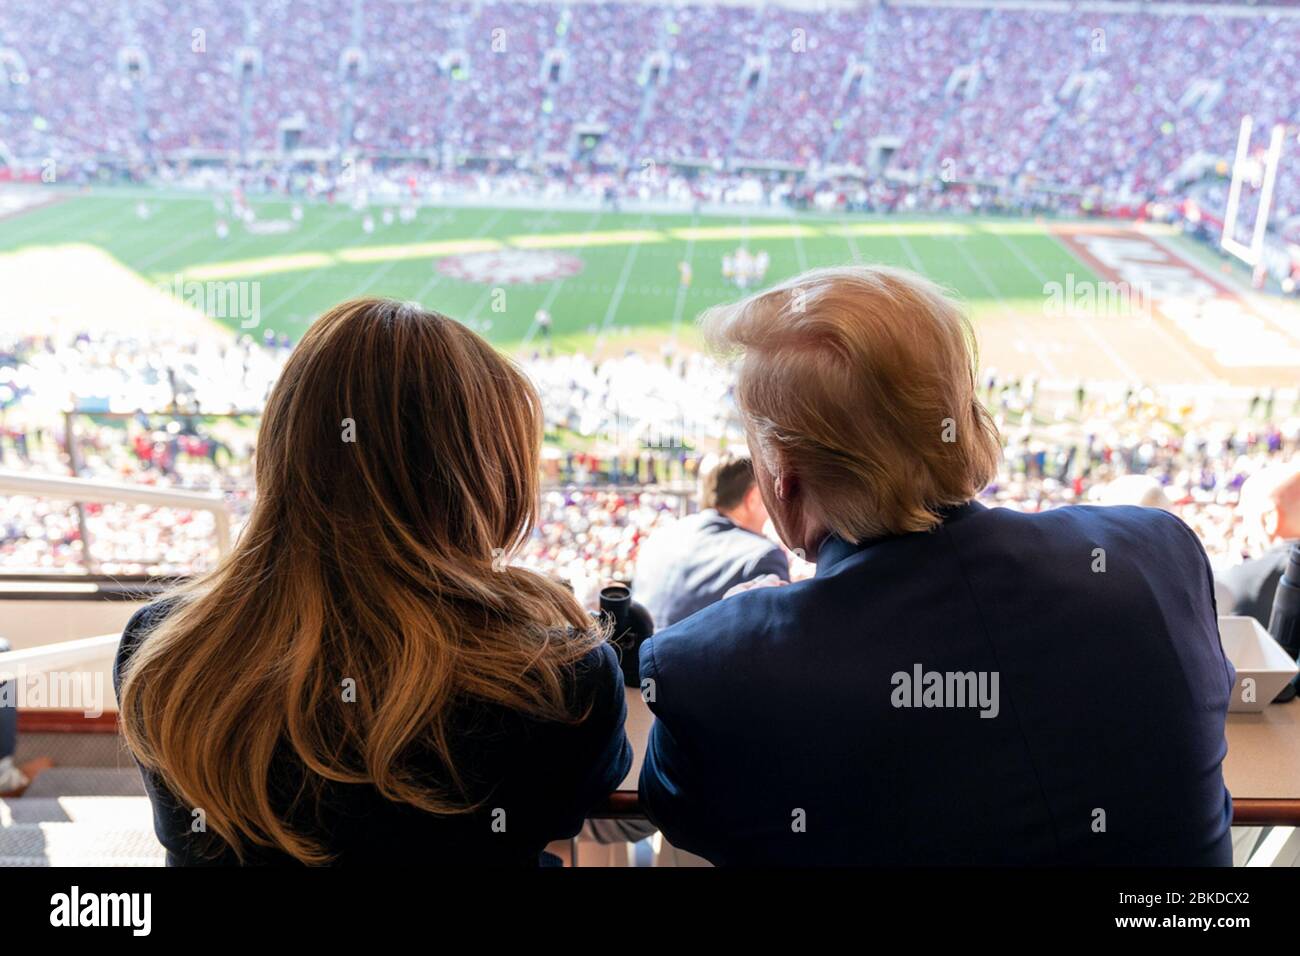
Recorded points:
(1096,299)
(510,267)
(232,299)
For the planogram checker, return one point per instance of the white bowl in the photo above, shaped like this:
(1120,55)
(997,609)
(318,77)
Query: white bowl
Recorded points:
(1259,659)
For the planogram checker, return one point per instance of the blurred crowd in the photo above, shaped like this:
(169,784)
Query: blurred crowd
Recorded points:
(1191,463)
(624,440)
(141,411)
(1127,104)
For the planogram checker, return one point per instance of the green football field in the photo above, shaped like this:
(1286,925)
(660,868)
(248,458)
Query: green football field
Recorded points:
(610,280)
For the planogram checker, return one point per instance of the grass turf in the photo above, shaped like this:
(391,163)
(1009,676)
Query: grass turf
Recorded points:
(627,292)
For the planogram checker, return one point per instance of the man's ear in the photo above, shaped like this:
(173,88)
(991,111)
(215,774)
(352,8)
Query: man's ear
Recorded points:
(1271,520)
(786,486)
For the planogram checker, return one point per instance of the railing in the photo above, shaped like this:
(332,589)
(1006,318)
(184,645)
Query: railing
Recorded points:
(85,653)
(71,681)
(94,655)
(81,490)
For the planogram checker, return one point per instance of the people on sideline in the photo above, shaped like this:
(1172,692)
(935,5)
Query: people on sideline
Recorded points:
(957,684)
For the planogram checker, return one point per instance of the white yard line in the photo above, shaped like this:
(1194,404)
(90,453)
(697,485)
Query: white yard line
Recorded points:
(1130,374)
(1174,342)
(621,286)
(910,251)
(487,293)
(1026,333)
(553,292)
(448,216)
(854,251)
(680,305)
(311,275)
(168,248)
(800,254)
(429,230)
(90,206)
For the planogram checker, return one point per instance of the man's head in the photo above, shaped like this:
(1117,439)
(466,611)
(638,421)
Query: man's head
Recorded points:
(1142,490)
(857,389)
(1270,504)
(728,486)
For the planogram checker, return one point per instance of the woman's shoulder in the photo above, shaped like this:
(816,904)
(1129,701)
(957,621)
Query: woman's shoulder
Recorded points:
(594,693)
(142,622)
(599,673)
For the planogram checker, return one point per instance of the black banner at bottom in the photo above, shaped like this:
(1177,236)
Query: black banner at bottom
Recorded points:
(211,906)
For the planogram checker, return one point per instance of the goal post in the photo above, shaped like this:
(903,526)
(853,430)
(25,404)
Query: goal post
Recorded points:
(1251,254)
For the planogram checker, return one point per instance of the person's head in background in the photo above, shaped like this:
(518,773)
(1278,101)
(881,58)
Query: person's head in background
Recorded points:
(727,486)
(1141,490)
(857,389)
(397,465)
(1270,505)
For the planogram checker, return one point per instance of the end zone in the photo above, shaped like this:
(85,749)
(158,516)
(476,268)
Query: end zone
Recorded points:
(1203,314)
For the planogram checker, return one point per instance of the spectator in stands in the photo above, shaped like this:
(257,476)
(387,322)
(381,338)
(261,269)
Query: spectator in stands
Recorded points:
(695,561)
(957,684)
(366,679)
(14,779)
(1143,491)
(1271,507)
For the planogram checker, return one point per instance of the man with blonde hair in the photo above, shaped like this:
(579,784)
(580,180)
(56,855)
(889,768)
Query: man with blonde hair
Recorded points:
(957,684)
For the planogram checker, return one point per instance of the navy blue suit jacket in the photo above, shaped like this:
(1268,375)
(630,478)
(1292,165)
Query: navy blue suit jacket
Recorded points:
(781,735)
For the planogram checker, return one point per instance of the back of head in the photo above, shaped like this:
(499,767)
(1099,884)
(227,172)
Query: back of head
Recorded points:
(725,481)
(1270,504)
(397,462)
(861,381)
(1142,490)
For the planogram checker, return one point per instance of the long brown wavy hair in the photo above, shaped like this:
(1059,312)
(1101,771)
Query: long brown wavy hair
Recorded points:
(397,468)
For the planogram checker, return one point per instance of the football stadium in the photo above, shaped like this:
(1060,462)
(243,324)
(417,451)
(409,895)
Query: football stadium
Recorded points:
(378,377)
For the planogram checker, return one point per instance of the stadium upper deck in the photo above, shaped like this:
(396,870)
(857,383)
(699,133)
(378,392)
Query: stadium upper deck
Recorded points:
(1137,99)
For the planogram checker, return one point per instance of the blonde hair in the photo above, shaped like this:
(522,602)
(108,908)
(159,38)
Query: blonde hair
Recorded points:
(861,380)
(372,556)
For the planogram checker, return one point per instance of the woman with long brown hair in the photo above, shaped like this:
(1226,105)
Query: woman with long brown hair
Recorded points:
(365,678)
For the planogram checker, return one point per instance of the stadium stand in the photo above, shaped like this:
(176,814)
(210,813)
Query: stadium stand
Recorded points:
(920,91)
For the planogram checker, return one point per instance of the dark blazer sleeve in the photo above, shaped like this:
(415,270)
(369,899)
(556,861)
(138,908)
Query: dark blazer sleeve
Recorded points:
(1254,584)
(1194,542)
(771,561)
(672,793)
(601,756)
